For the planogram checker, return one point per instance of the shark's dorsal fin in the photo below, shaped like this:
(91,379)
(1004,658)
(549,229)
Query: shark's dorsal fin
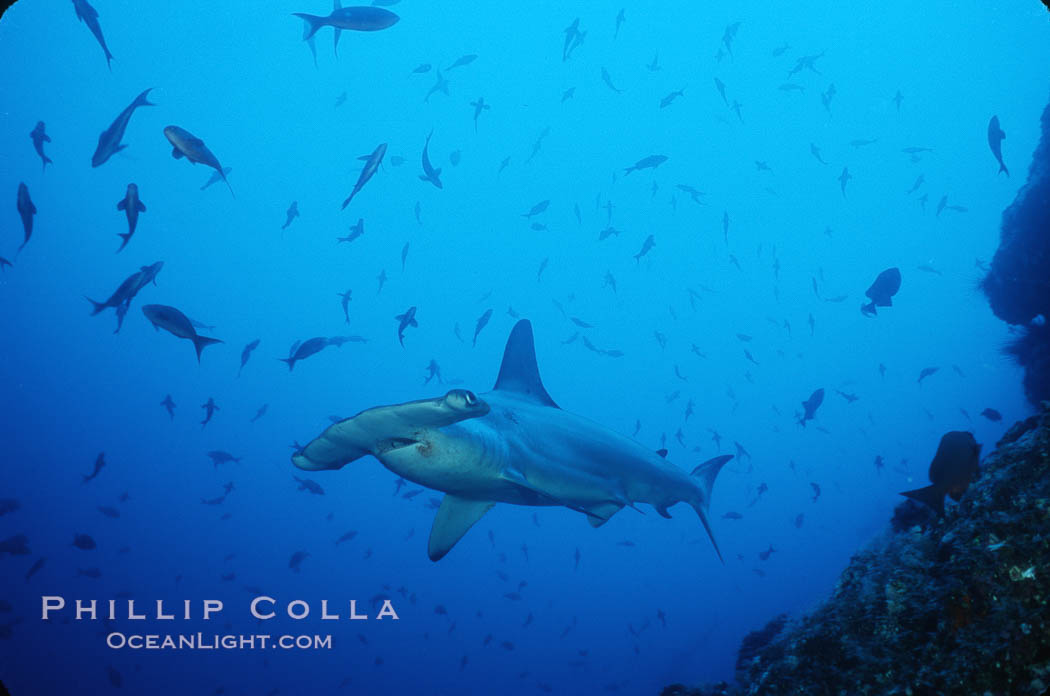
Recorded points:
(455,516)
(519,373)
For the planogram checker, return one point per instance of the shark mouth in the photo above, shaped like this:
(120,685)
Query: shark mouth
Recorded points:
(393,444)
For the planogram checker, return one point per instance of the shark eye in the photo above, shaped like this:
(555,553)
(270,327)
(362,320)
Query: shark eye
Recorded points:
(469,397)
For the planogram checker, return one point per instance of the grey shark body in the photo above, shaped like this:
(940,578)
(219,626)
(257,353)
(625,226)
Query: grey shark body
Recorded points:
(109,140)
(510,445)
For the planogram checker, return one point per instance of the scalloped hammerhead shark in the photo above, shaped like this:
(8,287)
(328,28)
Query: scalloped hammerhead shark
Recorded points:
(511,445)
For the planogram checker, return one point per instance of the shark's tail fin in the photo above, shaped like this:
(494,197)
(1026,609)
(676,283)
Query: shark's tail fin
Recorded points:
(705,478)
(126,236)
(1002,168)
(98,306)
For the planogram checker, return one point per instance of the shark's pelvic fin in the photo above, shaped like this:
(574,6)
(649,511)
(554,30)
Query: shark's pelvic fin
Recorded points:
(600,514)
(518,372)
(455,516)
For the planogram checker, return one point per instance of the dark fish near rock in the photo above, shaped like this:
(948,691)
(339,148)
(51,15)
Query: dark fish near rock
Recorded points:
(881,292)
(177,324)
(305,350)
(186,144)
(109,140)
(810,406)
(132,206)
(26,211)
(996,136)
(39,137)
(992,415)
(372,163)
(89,16)
(954,467)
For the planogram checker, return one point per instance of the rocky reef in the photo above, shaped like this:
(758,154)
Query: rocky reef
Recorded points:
(949,605)
(1018,280)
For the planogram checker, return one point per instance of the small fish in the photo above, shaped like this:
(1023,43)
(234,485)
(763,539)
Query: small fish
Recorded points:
(309,486)
(429,173)
(463,60)
(132,206)
(482,322)
(185,144)
(26,211)
(109,511)
(954,467)
(246,354)
(372,163)
(926,372)
(650,162)
(404,321)
(537,209)
(296,560)
(479,106)
(177,324)
(607,79)
(100,461)
(222,457)
(440,86)
(404,255)
(109,140)
(350,18)
(810,406)
(169,405)
(764,555)
(291,214)
(39,137)
(844,178)
(996,135)
(422,68)
(881,292)
(816,491)
(355,232)
(992,415)
(260,413)
(647,245)
(210,407)
(89,16)
(815,151)
(732,515)
(345,302)
(84,542)
(305,349)
(35,568)
(669,99)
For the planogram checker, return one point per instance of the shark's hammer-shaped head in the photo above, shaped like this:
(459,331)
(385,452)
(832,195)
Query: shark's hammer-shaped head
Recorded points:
(390,433)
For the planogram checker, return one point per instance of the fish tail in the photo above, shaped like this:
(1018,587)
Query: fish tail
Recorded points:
(143,100)
(1002,168)
(932,495)
(202,342)
(705,475)
(47,161)
(97,306)
(126,236)
(290,362)
(228,184)
(311,23)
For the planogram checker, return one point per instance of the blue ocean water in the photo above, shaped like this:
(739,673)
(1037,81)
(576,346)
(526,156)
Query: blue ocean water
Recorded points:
(747,302)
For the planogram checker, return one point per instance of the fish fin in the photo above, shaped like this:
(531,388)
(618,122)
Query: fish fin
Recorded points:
(289,361)
(364,158)
(202,342)
(122,204)
(437,173)
(335,46)
(518,372)
(312,24)
(931,496)
(97,306)
(662,453)
(142,99)
(176,153)
(601,513)
(706,474)
(1002,167)
(126,236)
(140,206)
(454,518)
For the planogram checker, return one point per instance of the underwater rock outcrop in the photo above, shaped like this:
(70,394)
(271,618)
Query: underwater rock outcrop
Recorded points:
(952,605)
(1018,281)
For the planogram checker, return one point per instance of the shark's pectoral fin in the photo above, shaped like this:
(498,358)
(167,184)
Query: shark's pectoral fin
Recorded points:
(455,516)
